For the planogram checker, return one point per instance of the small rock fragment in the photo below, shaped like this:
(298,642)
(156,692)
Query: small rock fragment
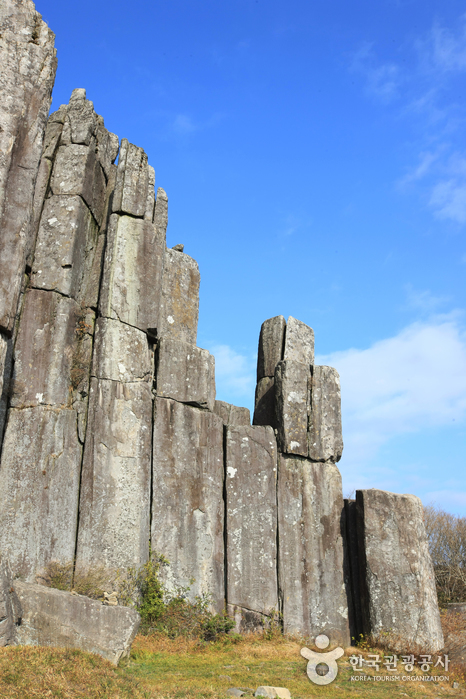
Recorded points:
(179,247)
(272,692)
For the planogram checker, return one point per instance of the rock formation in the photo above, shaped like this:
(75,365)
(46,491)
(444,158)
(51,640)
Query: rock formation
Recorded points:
(114,443)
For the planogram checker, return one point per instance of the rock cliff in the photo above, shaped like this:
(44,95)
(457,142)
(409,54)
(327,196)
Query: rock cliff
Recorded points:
(112,441)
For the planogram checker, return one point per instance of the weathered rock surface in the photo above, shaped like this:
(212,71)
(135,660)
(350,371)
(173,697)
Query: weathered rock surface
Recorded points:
(292,406)
(54,339)
(299,342)
(132,182)
(161,213)
(180,297)
(232,414)
(10,607)
(56,618)
(325,435)
(115,487)
(251,523)
(132,276)
(27,57)
(77,171)
(39,482)
(310,505)
(122,353)
(264,408)
(396,573)
(185,373)
(187,505)
(65,248)
(271,340)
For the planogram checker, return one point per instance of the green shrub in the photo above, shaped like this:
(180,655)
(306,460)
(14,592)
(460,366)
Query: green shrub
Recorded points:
(170,612)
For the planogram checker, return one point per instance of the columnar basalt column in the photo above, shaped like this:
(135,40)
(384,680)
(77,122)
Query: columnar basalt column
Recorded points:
(41,458)
(187,500)
(251,525)
(397,581)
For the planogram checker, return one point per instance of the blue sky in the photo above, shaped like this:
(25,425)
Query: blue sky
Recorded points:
(314,159)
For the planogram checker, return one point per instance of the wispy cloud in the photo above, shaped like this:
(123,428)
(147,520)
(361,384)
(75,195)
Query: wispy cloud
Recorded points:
(424,302)
(448,47)
(448,199)
(183,124)
(235,374)
(418,89)
(383,80)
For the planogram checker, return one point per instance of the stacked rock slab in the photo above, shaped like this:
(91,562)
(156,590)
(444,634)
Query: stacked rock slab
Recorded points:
(304,401)
(28,61)
(396,575)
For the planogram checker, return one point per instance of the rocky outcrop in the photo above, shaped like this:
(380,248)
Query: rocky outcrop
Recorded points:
(397,580)
(115,445)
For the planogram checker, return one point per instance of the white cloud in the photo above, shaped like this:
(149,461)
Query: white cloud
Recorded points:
(402,384)
(235,374)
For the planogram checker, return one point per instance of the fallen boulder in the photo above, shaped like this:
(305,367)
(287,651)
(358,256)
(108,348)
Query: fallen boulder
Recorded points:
(55,618)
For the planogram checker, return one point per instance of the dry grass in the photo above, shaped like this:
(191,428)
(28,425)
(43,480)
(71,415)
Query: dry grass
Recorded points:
(28,672)
(187,668)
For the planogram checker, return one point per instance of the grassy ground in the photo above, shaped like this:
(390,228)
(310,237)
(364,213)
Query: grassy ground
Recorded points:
(179,669)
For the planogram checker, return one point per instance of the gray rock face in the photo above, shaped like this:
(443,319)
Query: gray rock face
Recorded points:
(292,406)
(115,483)
(56,618)
(27,57)
(54,339)
(271,341)
(299,342)
(396,572)
(185,373)
(39,482)
(121,353)
(10,607)
(132,276)
(187,505)
(264,408)
(65,248)
(77,171)
(180,297)
(251,521)
(325,436)
(232,414)
(132,182)
(310,505)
